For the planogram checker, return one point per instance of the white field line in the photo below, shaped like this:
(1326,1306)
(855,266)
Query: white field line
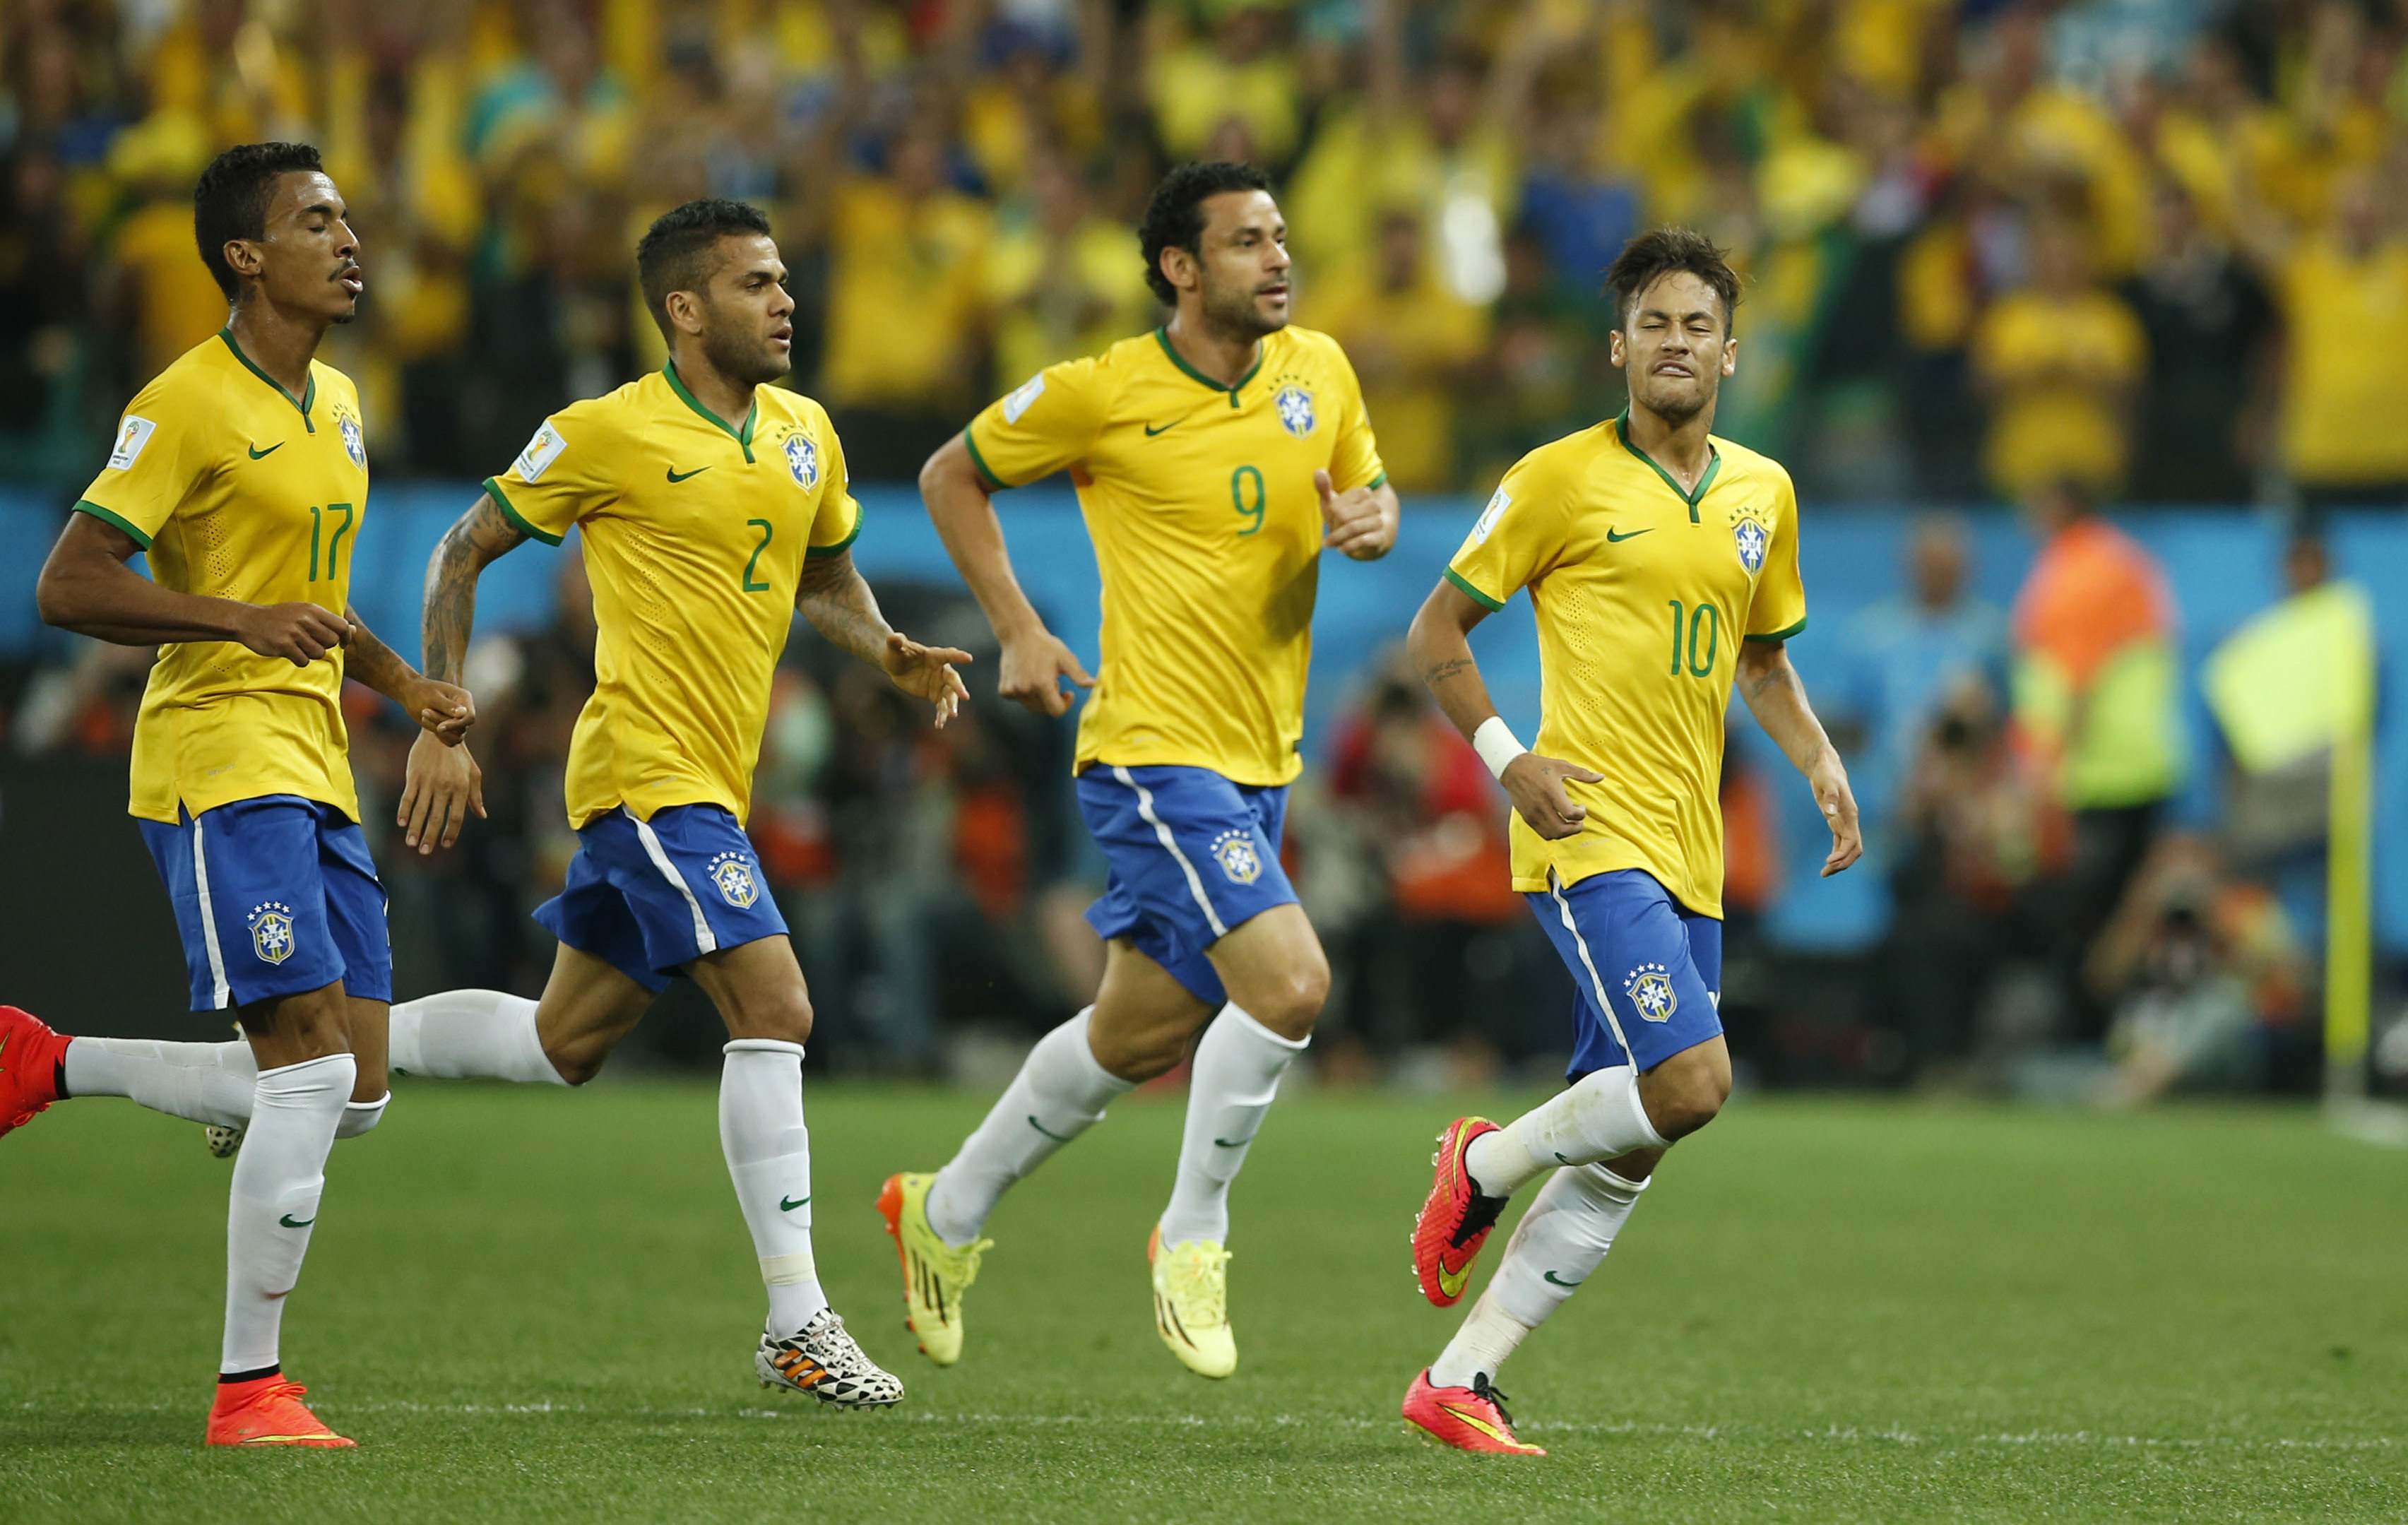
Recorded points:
(1832,1434)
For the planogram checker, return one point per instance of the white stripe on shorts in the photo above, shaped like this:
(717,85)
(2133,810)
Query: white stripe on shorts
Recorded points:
(704,940)
(1563,909)
(222,990)
(1195,881)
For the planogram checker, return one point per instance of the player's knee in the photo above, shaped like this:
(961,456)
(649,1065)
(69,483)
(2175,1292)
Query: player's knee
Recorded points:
(785,1017)
(576,1066)
(1684,1094)
(1290,1004)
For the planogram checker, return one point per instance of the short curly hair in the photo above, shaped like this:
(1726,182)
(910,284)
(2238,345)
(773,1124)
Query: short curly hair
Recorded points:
(1174,219)
(675,252)
(230,200)
(1662,252)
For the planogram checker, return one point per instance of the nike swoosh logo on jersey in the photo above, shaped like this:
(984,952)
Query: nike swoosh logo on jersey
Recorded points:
(1560,1281)
(676,475)
(259,454)
(1151,431)
(1615,537)
(287,1221)
(787,1206)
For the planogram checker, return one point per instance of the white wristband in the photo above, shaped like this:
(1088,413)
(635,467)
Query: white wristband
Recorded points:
(1496,744)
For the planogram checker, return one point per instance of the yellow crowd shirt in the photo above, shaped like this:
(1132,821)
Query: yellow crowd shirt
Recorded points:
(694,538)
(236,489)
(1206,526)
(1642,594)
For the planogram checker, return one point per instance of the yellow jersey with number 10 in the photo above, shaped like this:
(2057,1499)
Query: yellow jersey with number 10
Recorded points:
(1642,594)
(1206,526)
(236,489)
(695,537)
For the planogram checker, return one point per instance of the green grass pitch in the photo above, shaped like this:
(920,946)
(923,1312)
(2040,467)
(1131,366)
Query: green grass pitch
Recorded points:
(528,1304)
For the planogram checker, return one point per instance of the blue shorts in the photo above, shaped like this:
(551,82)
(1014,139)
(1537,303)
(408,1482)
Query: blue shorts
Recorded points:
(648,898)
(1649,972)
(1193,856)
(274,897)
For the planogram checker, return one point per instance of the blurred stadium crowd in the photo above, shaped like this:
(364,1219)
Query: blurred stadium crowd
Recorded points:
(2130,250)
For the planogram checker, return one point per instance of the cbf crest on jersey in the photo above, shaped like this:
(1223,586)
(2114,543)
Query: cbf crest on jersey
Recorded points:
(1650,989)
(1234,852)
(1296,412)
(355,440)
(271,931)
(803,460)
(1752,537)
(733,874)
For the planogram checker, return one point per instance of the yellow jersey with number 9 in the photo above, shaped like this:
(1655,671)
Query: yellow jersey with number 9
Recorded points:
(1206,526)
(695,537)
(236,489)
(1642,594)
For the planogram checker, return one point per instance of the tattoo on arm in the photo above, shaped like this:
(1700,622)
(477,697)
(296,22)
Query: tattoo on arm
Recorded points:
(1441,672)
(840,607)
(449,611)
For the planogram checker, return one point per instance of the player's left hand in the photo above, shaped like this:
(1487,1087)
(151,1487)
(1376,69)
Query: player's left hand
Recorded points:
(1360,522)
(926,672)
(1838,802)
(444,711)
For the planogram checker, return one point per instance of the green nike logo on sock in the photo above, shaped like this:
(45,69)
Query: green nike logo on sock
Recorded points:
(1560,1282)
(786,1206)
(287,1221)
(1234,1144)
(1057,1138)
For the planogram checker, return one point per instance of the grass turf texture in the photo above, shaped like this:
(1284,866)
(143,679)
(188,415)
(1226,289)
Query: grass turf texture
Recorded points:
(531,1303)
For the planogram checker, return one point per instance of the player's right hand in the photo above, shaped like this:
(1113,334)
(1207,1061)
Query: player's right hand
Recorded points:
(1032,671)
(299,633)
(441,785)
(1536,786)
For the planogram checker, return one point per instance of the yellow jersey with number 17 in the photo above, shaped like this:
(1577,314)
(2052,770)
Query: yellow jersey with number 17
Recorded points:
(1200,501)
(1642,594)
(695,537)
(236,489)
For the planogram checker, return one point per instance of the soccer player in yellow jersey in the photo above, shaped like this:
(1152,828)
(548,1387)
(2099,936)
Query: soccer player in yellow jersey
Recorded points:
(711,507)
(241,469)
(1662,566)
(1215,459)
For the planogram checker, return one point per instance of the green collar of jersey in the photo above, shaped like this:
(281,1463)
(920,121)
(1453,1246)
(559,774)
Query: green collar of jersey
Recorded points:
(1714,465)
(309,394)
(1162,336)
(743,436)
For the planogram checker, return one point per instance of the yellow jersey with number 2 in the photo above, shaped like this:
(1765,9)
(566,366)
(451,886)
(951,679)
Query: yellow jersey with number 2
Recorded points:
(236,489)
(695,537)
(1642,594)
(1206,526)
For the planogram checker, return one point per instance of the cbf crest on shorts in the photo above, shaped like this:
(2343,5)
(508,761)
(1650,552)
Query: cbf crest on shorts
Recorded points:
(1296,413)
(271,931)
(733,874)
(803,460)
(1234,852)
(1751,537)
(1650,989)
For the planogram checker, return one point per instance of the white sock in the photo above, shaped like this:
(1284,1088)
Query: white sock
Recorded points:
(469,1035)
(769,1157)
(1560,1243)
(202,1083)
(1238,1069)
(360,1116)
(1060,1092)
(1600,1118)
(277,1181)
